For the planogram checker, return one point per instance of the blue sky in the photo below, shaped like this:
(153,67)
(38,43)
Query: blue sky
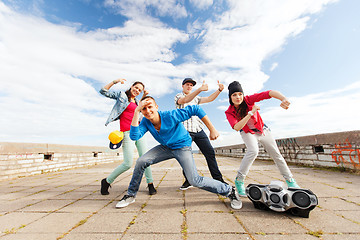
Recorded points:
(56,55)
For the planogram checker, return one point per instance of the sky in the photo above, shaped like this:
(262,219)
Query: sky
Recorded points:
(56,55)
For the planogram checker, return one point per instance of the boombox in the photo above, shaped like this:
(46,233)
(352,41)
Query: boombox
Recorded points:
(278,197)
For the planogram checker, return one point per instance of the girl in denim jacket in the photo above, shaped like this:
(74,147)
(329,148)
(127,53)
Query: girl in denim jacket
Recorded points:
(123,110)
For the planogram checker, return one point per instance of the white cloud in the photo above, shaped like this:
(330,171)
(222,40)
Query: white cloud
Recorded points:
(202,4)
(238,41)
(227,139)
(274,66)
(323,112)
(139,9)
(42,67)
(223,108)
(45,68)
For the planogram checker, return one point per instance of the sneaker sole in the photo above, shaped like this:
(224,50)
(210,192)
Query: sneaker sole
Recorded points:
(235,203)
(237,207)
(181,188)
(124,205)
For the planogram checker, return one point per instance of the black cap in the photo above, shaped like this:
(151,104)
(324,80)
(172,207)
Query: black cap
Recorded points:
(115,146)
(235,86)
(189,80)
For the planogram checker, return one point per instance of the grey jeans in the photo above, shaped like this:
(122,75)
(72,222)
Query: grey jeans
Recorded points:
(251,141)
(184,157)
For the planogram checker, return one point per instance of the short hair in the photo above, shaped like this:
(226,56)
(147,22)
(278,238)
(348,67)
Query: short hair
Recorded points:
(146,97)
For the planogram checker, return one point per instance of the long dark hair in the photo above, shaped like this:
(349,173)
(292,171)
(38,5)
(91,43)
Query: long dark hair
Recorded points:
(242,110)
(128,92)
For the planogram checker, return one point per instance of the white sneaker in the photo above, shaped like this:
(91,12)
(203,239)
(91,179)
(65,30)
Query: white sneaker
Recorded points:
(125,201)
(186,185)
(235,199)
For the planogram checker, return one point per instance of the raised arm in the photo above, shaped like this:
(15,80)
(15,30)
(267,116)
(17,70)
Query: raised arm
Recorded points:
(240,124)
(214,95)
(138,130)
(112,83)
(278,95)
(111,94)
(191,96)
(136,117)
(145,93)
(210,98)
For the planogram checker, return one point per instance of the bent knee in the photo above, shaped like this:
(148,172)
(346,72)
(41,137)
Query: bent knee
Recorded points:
(127,166)
(141,162)
(195,182)
(252,153)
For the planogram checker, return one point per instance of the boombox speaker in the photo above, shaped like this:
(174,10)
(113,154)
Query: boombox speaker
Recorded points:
(278,197)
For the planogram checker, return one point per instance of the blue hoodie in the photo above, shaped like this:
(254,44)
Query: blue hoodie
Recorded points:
(172,132)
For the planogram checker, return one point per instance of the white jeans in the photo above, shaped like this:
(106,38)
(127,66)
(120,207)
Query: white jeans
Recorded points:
(251,142)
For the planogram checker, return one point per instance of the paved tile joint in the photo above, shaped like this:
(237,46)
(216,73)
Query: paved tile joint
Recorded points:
(68,205)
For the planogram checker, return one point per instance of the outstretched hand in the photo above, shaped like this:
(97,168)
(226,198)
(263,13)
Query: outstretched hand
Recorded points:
(204,86)
(142,104)
(221,86)
(255,109)
(285,104)
(146,92)
(214,134)
(119,80)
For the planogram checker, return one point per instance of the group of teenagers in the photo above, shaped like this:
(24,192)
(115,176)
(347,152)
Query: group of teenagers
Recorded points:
(176,129)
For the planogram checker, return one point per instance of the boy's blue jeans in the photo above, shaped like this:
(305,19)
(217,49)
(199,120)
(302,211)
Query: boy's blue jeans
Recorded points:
(184,157)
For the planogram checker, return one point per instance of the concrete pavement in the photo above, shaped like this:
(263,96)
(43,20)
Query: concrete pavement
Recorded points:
(68,205)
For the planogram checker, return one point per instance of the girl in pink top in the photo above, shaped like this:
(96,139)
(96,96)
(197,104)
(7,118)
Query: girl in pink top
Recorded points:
(124,111)
(127,116)
(243,116)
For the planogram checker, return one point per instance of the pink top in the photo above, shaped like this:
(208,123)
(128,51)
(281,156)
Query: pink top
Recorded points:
(127,116)
(256,120)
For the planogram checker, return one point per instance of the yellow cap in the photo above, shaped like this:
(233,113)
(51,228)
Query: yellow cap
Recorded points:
(116,136)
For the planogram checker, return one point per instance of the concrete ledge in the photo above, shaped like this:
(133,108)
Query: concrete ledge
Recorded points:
(341,149)
(24,159)
(26,148)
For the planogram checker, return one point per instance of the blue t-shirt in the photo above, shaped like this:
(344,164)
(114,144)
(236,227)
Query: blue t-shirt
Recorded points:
(172,132)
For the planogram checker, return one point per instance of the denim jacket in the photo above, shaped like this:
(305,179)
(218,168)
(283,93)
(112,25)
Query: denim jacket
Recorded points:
(121,104)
